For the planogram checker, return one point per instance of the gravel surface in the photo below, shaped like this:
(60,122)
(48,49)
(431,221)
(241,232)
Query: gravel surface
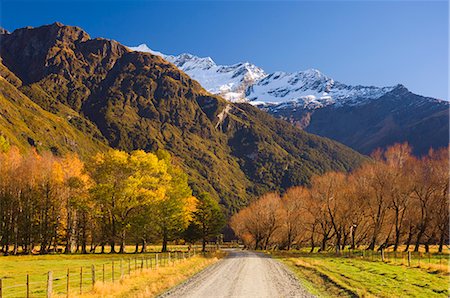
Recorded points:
(242,274)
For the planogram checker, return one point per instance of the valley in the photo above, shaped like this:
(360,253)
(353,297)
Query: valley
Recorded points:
(234,169)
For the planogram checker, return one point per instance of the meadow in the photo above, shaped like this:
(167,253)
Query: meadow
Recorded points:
(116,275)
(362,273)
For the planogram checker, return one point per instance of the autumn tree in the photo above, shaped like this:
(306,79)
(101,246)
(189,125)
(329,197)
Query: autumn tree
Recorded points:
(125,184)
(208,219)
(76,202)
(292,207)
(172,212)
(259,220)
(392,199)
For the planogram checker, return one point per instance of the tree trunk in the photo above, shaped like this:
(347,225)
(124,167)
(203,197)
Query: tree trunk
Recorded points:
(122,242)
(397,239)
(323,245)
(441,241)
(144,246)
(408,240)
(83,239)
(338,243)
(67,249)
(257,240)
(204,245)
(165,240)
(312,243)
(419,238)
(112,244)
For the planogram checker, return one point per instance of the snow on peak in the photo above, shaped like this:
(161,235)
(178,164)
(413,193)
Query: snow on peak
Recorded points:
(246,82)
(144,48)
(188,62)
(229,81)
(309,89)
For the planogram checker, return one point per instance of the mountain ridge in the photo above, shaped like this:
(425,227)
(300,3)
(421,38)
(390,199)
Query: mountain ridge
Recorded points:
(138,100)
(299,98)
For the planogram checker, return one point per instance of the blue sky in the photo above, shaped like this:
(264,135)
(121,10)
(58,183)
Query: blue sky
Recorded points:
(356,42)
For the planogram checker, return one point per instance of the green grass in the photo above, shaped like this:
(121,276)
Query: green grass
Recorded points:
(14,270)
(328,275)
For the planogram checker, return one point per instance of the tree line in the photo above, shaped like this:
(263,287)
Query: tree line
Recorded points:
(393,199)
(51,204)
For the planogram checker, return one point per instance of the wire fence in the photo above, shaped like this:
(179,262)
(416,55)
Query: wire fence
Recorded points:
(438,261)
(79,280)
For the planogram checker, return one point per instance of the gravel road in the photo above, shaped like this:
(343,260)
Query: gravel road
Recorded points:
(241,274)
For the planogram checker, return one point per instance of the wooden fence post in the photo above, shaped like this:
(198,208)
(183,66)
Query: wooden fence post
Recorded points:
(93,275)
(142,264)
(382,255)
(409,259)
(68,282)
(121,269)
(28,285)
(81,280)
(112,269)
(49,284)
(168,260)
(156,261)
(103,273)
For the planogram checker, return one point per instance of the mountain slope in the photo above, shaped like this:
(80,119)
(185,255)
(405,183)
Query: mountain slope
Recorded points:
(24,123)
(140,101)
(362,117)
(397,116)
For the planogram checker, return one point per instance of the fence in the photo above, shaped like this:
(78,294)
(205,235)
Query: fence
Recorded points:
(409,258)
(83,279)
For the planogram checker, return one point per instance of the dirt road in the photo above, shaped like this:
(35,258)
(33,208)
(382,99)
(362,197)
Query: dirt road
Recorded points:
(242,274)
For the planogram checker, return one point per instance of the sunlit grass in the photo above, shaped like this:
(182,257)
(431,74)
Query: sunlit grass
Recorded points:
(328,275)
(153,282)
(14,270)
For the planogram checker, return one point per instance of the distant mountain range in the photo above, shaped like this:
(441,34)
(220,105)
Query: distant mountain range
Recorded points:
(63,91)
(362,117)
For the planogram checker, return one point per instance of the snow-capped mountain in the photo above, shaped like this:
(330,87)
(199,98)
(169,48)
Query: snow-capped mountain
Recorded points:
(309,89)
(229,81)
(362,117)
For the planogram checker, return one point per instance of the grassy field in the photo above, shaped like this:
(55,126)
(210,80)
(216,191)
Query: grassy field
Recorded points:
(153,282)
(358,275)
(112,271)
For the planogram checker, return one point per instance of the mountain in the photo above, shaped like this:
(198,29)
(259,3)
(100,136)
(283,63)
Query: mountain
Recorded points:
(362,117)
(368,123)
(228,81)
(134,100)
